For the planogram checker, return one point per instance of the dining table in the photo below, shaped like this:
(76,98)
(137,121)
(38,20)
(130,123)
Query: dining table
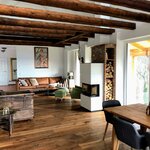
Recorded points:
(134,113)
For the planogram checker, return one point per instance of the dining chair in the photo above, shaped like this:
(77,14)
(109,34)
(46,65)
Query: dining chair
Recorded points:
(108,116)
(127,133)
(147,134)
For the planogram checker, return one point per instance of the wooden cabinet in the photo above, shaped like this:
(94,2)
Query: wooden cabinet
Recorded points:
(106,54)
(22,102)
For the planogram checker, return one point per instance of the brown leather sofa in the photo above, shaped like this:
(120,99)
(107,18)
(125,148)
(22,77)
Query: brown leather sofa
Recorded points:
(43,83)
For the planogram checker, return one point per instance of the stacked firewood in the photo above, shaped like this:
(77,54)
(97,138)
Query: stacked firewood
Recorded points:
(109,89)
(109,70)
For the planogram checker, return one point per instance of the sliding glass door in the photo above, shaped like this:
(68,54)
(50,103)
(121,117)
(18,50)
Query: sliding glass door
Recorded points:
(137,75)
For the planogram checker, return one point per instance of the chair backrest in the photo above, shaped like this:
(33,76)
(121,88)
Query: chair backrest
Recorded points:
(109,103)
(148,138)
(127,133)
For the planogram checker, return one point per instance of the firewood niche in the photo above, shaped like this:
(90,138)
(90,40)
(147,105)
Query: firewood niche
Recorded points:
(106,54)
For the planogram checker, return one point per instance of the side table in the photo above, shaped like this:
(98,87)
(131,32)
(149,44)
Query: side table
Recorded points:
(6,121)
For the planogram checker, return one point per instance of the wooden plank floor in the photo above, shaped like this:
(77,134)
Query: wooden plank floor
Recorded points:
(59,126)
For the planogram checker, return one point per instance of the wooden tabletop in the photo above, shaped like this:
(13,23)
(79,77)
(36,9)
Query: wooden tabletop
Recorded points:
(134,112)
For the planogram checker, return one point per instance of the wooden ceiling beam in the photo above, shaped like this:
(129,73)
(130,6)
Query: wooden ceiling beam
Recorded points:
(72,42)
(18,37)
(134,4)
(76,41)
(23,42)
(21,31)
(71,38)
(34,30)
(44,35)
(63,17)
(88,35)
(42,41)
(80,39)
(148,41)
(136,52)
(78,5)
(29,41)
(138,46)
(46,25)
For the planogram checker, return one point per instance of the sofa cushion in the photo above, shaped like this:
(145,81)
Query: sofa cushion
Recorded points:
(42,81)
(42,86)
(22,80)
(34,82)
(28,82)
(54,79)
(53,84)
(29,87)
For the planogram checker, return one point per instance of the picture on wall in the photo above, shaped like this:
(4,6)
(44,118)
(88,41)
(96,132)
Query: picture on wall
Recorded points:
(41,57)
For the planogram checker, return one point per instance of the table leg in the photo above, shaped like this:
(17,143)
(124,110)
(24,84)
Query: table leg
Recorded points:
(10,124)
(115,141)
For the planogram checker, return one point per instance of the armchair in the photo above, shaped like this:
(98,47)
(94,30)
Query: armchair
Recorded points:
(75,93)
(127,133)
(109,116)
(148,138)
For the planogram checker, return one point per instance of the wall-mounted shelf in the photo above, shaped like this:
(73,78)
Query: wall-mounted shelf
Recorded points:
(106,54)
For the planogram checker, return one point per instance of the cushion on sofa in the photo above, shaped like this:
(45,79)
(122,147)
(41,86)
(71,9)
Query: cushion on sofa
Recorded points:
(54,79)
(23,82)
(34,82)
(42,86)
(53,84)
(28,82)
(43,80)
(27,87)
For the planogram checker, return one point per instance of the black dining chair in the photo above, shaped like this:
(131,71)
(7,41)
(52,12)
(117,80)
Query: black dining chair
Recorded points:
(127,133)
(109,116)
(147,135)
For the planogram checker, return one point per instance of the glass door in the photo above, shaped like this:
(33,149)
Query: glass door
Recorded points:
(137,74)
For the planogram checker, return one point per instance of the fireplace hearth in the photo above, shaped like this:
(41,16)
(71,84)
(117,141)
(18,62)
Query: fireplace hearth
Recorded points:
(91,90)
(92,86)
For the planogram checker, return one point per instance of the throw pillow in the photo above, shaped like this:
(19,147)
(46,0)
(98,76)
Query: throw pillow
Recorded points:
(34,82)
(23,82)
(43,80)
(53,84)
(28,82)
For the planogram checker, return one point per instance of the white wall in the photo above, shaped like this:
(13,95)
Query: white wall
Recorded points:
(25,62)
(85,48)
(121,38)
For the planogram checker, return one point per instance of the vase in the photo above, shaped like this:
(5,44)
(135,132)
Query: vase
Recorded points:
(5,110)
